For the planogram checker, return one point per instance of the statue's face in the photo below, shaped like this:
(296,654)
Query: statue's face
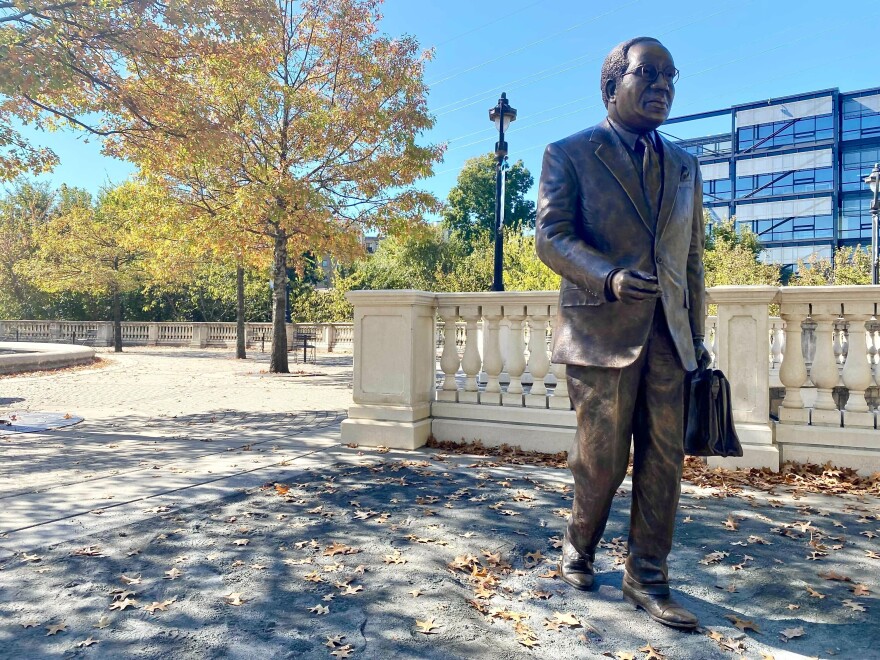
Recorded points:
(637,102)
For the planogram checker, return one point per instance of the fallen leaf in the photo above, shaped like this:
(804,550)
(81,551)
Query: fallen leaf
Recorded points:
(652,653)
(742,624)
(156,605)
(130,580)
(103,622)
(791,633)
(235,598)
(854,605)
(426,627)
(415,593)
(122,604)
(814,593)
(731,523)
(87,642)
(173,574)
(55,628)
(860,590)
(342,651)
(334,641)
(319,609)
(241,541)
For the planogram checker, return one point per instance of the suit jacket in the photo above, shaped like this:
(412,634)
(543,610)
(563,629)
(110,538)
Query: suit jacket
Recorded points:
(592,217)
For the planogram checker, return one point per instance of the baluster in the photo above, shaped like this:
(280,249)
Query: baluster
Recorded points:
(837,334)
(872,348)
(857,369)
(516,359)
(825,375)
(713,347)
(793,370)
(539,363)
(776,339)
(470,360)
(492,359)
(449,359)
(559,400)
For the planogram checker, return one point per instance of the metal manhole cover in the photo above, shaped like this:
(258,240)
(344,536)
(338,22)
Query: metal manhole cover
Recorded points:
(34,422)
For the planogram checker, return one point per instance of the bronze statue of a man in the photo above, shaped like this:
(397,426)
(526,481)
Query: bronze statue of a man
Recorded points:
(620,218)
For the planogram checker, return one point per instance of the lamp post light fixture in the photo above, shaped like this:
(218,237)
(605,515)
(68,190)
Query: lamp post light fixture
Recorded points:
(873,181)
(501,115)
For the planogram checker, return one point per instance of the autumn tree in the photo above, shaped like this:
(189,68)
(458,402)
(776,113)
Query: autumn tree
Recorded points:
(79,63)
(93,249)
(24,210)
(732,257)
(310,129)
(850,265)
(469,211)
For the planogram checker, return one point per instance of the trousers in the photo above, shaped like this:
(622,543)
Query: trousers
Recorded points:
(643,402)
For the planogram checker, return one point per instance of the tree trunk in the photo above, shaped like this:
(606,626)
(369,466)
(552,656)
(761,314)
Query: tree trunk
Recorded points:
(278,361)
(239,314)
(117,321)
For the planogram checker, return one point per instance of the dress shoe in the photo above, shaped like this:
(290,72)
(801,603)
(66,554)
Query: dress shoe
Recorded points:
(575,569)
(663,608)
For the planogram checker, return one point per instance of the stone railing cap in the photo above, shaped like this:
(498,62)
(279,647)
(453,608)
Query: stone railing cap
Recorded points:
(391,297)
(753,294)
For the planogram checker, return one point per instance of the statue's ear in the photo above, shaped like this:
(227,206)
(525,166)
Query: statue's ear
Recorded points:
(610,89)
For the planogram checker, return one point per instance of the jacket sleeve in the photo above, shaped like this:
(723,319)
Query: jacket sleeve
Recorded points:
(696,281)
(556,240)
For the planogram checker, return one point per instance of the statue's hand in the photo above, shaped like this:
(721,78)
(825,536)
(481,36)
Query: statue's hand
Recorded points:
(630,286)
(701,353)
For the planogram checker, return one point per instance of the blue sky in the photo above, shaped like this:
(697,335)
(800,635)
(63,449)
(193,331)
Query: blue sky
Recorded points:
(546,54)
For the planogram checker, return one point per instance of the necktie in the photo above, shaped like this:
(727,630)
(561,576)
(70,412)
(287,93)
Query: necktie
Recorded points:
(650,174)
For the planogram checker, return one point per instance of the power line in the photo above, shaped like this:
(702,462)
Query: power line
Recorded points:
(485,25)
(531,44)
(549,72)
(541,145)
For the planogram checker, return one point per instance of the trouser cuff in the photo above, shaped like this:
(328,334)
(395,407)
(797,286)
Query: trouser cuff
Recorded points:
(652,588)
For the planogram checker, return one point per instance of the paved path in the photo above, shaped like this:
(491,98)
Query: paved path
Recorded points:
(160,425)
(130,536)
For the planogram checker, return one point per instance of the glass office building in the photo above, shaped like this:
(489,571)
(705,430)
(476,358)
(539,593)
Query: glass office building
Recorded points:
(791,169)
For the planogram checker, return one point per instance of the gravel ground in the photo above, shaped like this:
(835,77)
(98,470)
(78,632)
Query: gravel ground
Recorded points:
(387,540)
(414,554)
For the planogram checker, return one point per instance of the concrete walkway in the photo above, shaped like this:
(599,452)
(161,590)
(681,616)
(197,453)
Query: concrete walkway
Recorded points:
(207,510)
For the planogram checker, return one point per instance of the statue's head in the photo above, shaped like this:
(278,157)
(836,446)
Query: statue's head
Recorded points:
(638,84)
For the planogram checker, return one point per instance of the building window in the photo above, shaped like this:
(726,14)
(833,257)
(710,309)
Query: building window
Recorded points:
(861,117)
(784,133)
(783,183)
(855,218)
(788,256)
(718,146)
(856,165)
(716,190)
(788,229)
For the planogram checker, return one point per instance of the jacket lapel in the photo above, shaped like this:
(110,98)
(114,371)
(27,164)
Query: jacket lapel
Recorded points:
(613,154)
(671,178)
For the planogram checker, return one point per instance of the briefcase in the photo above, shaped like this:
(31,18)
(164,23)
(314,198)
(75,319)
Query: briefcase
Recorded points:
(709,429)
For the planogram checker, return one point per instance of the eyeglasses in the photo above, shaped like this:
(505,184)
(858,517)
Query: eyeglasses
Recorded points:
(649,73)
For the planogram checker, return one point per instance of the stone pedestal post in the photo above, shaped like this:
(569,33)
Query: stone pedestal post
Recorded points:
(153,334)
(199,335)
(104,333)
(394,369)
(743,354)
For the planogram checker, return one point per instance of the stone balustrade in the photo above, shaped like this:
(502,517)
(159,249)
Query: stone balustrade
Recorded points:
(330,336)
(494,382)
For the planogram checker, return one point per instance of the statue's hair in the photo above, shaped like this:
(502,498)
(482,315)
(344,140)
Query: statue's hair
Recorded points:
(617,61)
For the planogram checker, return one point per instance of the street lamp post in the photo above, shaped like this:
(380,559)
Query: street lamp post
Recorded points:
(873,181)
(501,115)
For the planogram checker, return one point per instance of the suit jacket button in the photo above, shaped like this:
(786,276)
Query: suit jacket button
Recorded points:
(659,260)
